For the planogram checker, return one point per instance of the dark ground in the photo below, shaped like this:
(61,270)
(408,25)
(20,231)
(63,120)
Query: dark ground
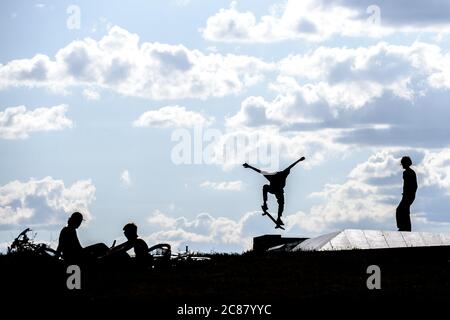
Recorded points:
(287,281)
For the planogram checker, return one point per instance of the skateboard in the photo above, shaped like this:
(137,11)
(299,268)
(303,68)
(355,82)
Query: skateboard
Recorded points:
(266,213)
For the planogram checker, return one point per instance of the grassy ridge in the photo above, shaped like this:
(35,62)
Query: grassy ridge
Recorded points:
(412,273)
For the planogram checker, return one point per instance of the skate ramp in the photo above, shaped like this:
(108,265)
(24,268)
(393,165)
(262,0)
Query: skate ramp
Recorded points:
(350,239)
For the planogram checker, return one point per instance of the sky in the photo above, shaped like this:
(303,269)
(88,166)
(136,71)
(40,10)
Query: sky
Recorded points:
(144,112)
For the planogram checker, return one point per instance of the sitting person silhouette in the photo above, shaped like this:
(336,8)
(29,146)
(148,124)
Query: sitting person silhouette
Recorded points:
(409,194)
(133,241)
(277,182)
(69,246)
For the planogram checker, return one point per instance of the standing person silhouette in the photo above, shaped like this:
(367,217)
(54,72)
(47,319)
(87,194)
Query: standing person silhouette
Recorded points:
(277,182)
(409,194)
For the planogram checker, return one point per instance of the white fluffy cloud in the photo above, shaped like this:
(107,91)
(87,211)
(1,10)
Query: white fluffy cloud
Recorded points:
(205,232)
(309,20)
(382,62)
(371,192)
(172,117)
(365,96)
(318,20)
(91,94)
(352,77)
(125,178)
(223,185)
(270,148)
(45,202)
(436,170)
(19,123)
(405,15)
(330,100)
(121,63)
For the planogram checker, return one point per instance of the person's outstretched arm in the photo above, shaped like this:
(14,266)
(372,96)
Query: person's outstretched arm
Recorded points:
(246,165)
(292,165)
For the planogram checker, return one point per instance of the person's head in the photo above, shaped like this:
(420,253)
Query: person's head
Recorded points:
(130,231)
(75,220)
(406,162)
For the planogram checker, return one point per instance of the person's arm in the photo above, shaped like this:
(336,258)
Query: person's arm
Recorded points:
(292,165)
(58,250)
(246,165)
(415,183)
(124,247)
(61,243)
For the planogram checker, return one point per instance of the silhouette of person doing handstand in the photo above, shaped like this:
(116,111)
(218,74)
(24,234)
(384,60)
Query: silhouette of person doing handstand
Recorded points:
(277,182)
(409,194)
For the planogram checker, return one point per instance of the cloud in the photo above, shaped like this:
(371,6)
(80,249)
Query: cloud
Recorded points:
(270,148)
(367,96)
(91,94)
(419,123)
(223,186)
(253,112)
(123,64)
(320,84)
(162,220)
(206,232)
(330,101)
(125,178)
(407,15)
(318,20)
(309,20)
(172,117)
(19,123)
(44,203)
(181,3)
(400,69)
(436,170)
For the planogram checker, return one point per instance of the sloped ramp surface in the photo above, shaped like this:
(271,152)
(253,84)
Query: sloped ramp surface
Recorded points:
(350,239)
